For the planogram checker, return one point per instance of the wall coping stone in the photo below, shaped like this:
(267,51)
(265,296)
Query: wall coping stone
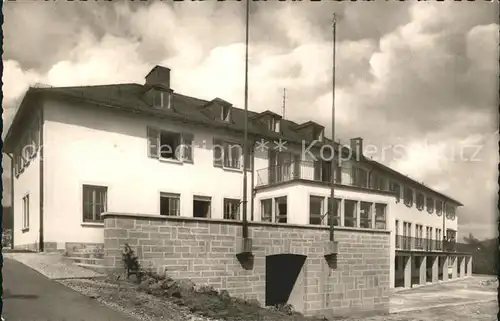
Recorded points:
(234,222)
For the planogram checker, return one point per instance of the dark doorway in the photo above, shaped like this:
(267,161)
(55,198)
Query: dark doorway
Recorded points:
(399,272)
(415,270)
(282,271)
(440,268)
(428,268)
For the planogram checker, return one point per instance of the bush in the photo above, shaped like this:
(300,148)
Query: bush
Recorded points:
(131,262)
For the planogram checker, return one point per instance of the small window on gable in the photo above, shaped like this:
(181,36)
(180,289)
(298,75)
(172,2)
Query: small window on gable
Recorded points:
(318,134)
(277,126)
(272,124)
(161,99)
(226,113)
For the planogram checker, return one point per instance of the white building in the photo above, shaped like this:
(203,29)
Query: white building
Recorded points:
(81,151)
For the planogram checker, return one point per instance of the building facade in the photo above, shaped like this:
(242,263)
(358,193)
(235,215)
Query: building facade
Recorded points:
(82,151)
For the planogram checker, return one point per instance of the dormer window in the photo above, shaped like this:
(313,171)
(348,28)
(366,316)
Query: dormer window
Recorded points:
(226,113)
(319,134)
(274,124)
(161,99)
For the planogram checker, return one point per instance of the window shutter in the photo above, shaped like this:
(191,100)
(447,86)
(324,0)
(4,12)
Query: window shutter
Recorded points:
(217,152)
(153,145)
(187,142)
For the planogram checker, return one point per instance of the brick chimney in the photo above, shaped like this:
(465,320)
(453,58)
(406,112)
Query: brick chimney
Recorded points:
(357,146)
(159,76)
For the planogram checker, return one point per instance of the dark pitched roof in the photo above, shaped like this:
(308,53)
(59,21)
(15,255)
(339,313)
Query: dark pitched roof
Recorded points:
(130,97)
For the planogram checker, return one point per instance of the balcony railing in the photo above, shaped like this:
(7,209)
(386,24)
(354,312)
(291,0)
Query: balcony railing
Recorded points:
(312,171)
(422,244)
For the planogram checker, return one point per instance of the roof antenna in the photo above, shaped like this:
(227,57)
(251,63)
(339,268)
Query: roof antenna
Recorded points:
(284,102)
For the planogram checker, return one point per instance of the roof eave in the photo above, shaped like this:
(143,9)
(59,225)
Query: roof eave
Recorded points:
(396,173)
(8,137)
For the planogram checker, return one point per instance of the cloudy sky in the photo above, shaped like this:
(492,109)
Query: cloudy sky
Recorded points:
(416,80)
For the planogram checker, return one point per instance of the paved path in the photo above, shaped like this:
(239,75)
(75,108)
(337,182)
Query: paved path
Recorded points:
(30,296)
(459,292)
(52,265)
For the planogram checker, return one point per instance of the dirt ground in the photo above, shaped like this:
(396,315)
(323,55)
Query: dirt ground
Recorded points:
(155,300)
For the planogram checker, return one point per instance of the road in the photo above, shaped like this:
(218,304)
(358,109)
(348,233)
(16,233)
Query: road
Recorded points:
(30,296)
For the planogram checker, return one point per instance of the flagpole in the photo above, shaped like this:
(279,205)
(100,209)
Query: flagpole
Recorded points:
(334,160)
(245,144)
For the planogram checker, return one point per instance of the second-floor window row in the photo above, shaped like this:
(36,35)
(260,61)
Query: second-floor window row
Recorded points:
(371,215)
(27,148)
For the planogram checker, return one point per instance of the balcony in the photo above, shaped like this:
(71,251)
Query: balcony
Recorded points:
(316,171)
(409,243)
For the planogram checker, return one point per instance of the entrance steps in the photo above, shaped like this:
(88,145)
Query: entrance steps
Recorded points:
(89,258)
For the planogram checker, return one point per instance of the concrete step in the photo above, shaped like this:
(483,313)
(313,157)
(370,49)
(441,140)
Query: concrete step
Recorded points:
(89,260)
(94,267)
(87,255)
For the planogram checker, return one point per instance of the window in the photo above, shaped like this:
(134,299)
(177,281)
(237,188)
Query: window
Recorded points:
(359,177)
(94,202)
(202,206)
(350,213)
(418,235)
(229,155)
(396,188)
(451,235)
(318,134)
(380,216)
(438,239)
(170,204)
(439,207)
(322,171)
(408,196)
(420,201)
(231,209)
(406,229)
(316,210)
(365,215)
(428,237)
(26,212)
(378,182)
(336,211)
(226,113)
(27,148)
(398,243)
(161,99)
(450,212)
(274,124)
(281,209)
(430,205)
(232,155)
(170,145)
(266,210)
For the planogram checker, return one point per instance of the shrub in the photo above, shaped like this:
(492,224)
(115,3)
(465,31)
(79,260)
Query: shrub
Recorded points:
(131,262)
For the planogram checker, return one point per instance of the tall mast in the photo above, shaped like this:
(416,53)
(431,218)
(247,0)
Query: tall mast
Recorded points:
(334,159)
(245,144)
(284,103)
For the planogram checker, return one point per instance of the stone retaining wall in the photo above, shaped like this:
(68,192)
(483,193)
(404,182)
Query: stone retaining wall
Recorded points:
(205,251)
